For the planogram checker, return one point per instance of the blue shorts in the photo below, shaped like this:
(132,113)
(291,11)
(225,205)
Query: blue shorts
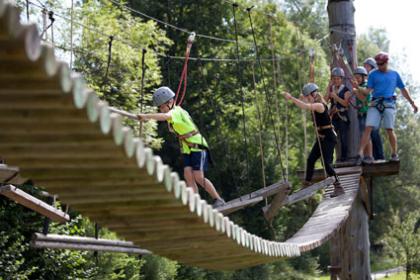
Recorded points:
(374,118)
(197,160)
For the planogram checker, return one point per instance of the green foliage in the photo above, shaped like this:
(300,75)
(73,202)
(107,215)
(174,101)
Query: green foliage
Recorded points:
(403,240)
(157,268)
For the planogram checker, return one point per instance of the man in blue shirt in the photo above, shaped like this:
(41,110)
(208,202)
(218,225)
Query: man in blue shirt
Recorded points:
(382,84)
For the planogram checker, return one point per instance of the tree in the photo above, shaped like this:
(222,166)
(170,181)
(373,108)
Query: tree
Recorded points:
(403,240)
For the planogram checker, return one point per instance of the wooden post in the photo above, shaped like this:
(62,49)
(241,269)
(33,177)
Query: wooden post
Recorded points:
(349,247)
(342,33)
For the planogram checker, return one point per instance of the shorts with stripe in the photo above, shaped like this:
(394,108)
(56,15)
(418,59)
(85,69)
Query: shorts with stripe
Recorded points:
(197,160)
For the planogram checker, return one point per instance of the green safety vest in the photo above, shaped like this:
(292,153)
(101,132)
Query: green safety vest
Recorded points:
(182,125)
(363,105)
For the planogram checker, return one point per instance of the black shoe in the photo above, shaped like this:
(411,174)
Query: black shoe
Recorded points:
(338,190)
(218,202)
(359,160)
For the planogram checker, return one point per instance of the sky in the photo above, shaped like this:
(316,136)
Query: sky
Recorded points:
(401,19)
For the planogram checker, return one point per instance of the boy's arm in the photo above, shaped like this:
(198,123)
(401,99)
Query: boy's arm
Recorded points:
(155,116)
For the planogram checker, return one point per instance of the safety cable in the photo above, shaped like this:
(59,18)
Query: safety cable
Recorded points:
(268,101)
(240,82)
(108,63)
(52,19)
(261,146)
(225,144)
(179,97)
(143,71)
(98,32)
(170,25)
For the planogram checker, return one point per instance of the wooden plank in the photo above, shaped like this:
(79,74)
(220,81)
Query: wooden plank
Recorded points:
(34,203)
(231,207)
(55,241)
(319,173)
(253,198)
(303,193)
(10,174)
(381,168)
(271,210)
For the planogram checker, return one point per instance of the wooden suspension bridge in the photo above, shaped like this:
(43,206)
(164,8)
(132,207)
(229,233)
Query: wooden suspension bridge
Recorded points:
(62,136)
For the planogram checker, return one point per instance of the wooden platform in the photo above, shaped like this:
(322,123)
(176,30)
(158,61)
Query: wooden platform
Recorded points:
(34,203)
(10,175)
(378,168)
(64,138)
(329,216)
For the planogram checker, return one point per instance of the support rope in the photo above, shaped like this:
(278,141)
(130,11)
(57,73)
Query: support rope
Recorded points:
(179,97)
(240,81)
(261,147)
(143,71)
(266,92)
(108,63)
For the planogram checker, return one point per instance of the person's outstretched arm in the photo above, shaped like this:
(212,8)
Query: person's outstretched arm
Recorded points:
(155,116)
(407,96)
(318,107)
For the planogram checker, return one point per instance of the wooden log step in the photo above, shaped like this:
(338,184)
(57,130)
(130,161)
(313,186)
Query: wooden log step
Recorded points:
(106,162)
(65,173)
(34,203)
(65,115)
(35,102)
(54,241)
(49,137)
(45,127)
(303,193)
(253,198)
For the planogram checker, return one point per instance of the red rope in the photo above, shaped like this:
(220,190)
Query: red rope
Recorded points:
(179,98)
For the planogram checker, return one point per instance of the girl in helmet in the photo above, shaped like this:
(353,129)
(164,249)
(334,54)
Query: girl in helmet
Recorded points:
(193,145)
(362,105)
(338,94)
(314,102)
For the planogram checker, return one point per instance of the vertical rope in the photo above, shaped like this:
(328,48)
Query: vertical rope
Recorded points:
(240,81)
(143,70)
(71,33)
(259,131)
(27,10)
(286,127)
(108,63)
(268,101)
(52,19)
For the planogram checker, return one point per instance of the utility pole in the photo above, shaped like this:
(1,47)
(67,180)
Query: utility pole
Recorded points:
(343,48)
(349,247)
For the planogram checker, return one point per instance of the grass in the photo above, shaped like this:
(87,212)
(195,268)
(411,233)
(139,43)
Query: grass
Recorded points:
(398,276)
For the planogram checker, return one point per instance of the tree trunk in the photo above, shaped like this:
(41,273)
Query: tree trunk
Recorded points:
(349,247)
(343,34)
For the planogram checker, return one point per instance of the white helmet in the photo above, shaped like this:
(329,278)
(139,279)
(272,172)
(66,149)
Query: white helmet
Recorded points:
(162,95)
(337,71)
(370,61)
(361,71)
(309,88)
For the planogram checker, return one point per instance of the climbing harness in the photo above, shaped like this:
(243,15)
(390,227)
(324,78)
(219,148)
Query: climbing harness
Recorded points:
(179,97)
(379,103)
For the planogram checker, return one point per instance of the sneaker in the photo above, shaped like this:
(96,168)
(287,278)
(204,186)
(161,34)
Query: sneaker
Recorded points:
(359,160)
(218,202)
(368,160)
(338,189)
(394,157)
(306,184)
